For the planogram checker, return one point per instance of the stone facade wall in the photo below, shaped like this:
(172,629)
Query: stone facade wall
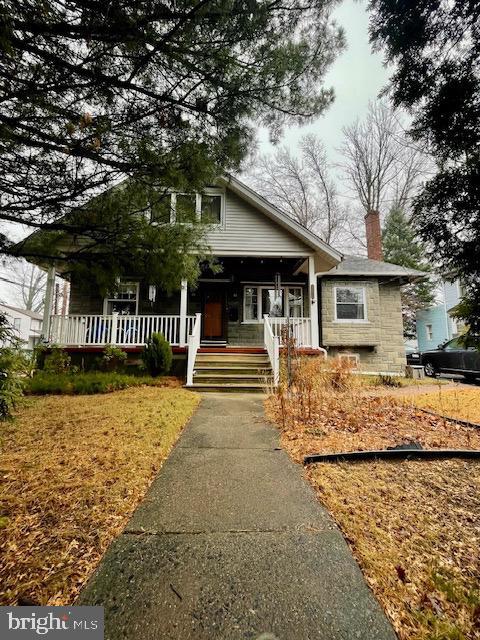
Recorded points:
(379,340)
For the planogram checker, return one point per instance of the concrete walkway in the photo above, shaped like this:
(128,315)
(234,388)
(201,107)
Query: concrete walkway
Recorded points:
(231,543)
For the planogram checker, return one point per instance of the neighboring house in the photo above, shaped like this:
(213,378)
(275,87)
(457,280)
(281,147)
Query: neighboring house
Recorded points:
(272,269)
(436,324)
(27,325)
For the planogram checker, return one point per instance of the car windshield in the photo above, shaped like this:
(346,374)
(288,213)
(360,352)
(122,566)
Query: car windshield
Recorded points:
(453,345)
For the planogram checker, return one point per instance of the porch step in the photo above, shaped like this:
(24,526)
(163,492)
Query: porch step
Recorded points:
(228,359)
(231,378)
(227,371)
(232,388)
(237,368)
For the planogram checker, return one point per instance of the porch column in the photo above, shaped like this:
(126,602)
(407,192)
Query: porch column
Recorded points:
(183,313)
(313,299)
(47,309)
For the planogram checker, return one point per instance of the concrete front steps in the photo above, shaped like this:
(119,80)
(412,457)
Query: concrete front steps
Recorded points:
(229,370)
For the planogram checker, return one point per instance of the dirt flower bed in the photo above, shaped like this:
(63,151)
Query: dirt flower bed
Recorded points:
(455,403)
(414,526)
(72,470)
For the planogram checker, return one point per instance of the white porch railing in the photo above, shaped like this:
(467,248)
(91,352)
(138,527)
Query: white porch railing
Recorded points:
(272,345)
(300,329)
(98,330)
(193,345)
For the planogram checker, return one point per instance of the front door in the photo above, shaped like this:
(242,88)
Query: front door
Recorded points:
(213,315)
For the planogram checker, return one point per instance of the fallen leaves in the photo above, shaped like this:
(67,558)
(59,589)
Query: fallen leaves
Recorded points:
(72,471)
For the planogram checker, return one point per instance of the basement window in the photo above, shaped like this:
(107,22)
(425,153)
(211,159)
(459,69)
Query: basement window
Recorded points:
(352,358)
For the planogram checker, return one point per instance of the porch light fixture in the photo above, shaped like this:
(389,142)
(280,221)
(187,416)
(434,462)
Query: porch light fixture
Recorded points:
(152,293)
(278,283)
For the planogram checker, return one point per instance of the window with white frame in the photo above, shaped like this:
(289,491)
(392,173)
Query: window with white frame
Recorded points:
(17,323)
(206,207)
(276,303)
(124,300)
(352,358)
(429,329)
(350,304)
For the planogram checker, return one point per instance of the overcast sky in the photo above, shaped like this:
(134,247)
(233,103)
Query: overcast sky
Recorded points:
(357,76)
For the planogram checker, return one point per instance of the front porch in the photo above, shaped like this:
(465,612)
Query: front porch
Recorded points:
(227,307)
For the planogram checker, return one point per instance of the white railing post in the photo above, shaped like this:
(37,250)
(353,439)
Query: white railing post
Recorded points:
(183,313)
(193,345)
(272,345)
(112,339)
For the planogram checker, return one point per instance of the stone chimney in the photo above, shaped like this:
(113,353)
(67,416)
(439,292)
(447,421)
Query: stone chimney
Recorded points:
(374,235)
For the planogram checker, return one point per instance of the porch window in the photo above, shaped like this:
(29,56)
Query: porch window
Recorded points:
(277,303)
(350,304)
(272,303)
(295,302)
(124,300)
(251,304)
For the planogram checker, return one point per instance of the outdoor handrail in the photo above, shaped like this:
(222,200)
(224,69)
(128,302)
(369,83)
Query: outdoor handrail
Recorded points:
(272,346)
(193,343)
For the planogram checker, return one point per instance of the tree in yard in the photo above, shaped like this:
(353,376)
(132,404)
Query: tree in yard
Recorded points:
(303,187)
(401,246)
(434,46)
(31,283)
(381,165)
(157,94)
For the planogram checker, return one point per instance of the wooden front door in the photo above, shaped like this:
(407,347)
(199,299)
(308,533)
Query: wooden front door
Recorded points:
(213,315)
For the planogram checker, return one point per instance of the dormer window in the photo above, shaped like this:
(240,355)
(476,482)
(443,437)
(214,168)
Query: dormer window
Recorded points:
(188,208)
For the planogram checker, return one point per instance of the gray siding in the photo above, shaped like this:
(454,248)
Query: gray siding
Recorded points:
(247,230)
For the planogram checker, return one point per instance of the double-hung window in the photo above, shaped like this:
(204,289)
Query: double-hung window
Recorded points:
(276,303)
(188,208)
(124,300)
(350,305)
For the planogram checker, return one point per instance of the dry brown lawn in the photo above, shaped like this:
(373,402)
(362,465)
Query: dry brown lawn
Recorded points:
(456,403)
(72,470)
(414,526)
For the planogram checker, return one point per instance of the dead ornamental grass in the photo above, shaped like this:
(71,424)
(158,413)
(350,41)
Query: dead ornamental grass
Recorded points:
(413,526)
(73,469)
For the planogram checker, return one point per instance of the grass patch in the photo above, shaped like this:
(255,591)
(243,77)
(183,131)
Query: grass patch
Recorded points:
(44,383)
(463,404)
(73,470)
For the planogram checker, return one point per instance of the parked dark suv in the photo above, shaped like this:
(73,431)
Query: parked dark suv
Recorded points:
(452,357)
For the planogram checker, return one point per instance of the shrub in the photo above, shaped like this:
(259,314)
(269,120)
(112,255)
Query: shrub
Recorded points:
(157,355)
(12,369)
(387,381)
(57,361)
(13,366)
(113,358)
(44,383)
